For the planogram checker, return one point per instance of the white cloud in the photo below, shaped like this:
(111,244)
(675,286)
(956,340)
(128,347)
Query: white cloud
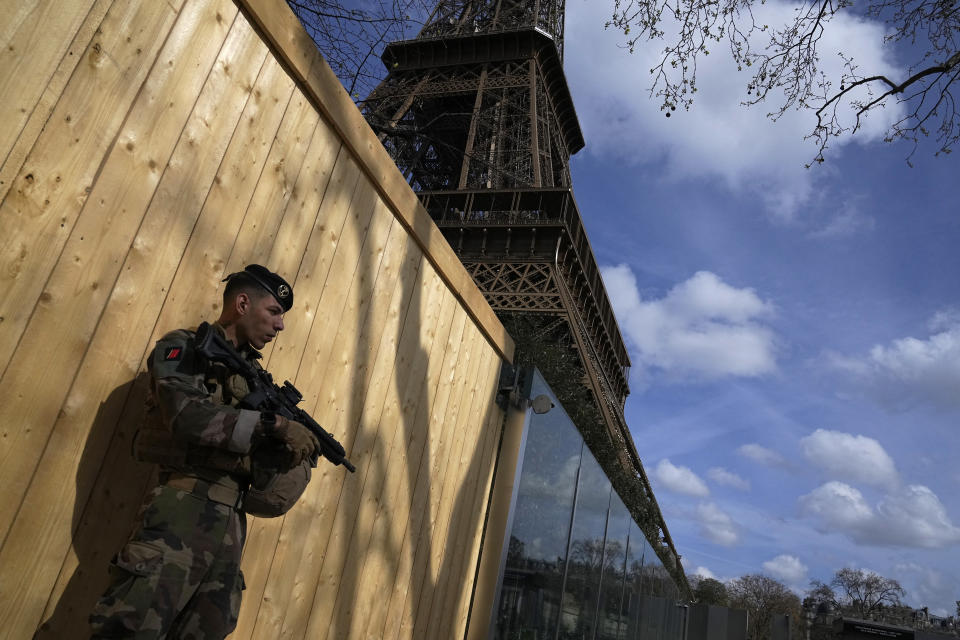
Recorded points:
(846,220)
(912,516)
(680,479)
(909,371)
(787,568)
(721,476)
(716,525)
(702,329)
(718,138)
(838,507)
(848,457)
(542,483)
(944,320)
(703,572)
(762,455)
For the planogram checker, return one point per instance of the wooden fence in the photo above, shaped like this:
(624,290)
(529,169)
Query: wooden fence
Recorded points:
(149,148)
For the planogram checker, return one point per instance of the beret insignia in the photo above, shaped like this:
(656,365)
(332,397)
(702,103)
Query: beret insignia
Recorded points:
(276,285)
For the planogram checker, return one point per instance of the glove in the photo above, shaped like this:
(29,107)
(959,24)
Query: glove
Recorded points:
(297,438)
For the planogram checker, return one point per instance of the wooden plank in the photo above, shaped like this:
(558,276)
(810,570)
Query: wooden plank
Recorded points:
(353,517)
(34,39)
(13,154)
(417,625)
(92,257)
(494,430)
(400,567)
(436,471)
(457,516)
(297,115)
(467,519)
(290,42)
(389,460)
(293,161)
(394,512)
(333,256)
(275,188)
(156,251)
(206,252)
(40,209)
(345,397)
(451,501)
(343,379)
(409,574)
(360,254)
(130,316)
(303,210)
(313,274)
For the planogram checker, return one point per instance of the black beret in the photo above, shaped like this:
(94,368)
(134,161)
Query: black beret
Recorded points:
(270,281)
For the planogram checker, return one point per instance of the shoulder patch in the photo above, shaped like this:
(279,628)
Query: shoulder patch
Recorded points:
(173,356)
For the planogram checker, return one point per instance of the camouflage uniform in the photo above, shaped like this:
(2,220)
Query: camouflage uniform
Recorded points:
(179,575)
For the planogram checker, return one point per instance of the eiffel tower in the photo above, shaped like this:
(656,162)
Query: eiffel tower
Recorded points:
(478,116)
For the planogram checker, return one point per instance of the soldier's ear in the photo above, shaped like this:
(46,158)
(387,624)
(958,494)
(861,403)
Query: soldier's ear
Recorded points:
(241,303)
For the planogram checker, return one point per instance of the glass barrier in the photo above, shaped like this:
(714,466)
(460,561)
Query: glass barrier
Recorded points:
(577,566)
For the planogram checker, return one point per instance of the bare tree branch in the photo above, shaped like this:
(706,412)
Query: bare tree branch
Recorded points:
(352,39)
(787,69)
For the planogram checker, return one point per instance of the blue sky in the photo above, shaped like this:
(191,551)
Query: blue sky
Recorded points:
(795,334)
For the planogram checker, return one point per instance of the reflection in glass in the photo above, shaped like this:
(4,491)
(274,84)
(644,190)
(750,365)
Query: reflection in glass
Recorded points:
(581,597)
(638,553)
(537,552)
(610,585)
(611,615)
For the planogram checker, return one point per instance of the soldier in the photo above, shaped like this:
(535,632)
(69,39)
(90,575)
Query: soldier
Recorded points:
(179,574)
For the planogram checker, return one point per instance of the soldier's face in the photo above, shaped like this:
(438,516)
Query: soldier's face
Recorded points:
(260,322)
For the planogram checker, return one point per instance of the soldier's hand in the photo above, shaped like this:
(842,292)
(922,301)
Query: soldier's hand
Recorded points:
(299,439)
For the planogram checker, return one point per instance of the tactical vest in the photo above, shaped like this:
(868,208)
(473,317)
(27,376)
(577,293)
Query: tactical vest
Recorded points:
(154,442)
(270,487)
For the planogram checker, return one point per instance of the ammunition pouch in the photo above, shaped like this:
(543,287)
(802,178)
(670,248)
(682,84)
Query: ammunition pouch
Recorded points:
(228,494)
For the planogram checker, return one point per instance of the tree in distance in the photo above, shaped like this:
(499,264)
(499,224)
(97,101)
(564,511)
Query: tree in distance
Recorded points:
(859,592)
(788,69)
(709,591)
(762,597)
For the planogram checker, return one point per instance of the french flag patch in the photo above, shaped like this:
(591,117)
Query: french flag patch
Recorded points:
(173,353)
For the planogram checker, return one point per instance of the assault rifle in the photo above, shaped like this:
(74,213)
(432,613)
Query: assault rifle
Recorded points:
(265,395)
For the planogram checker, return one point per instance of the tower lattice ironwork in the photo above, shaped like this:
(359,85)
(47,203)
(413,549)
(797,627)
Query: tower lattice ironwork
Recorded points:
(478,116)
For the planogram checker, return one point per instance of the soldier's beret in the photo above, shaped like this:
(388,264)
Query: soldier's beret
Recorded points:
(270,281)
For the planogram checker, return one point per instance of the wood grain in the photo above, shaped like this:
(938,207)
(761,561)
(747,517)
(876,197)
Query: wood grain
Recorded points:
(32,44)
(34,119)
(55,182)
(88,267)
(394,517)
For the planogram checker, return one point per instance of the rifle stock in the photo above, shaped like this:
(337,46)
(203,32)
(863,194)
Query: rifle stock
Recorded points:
(266,395)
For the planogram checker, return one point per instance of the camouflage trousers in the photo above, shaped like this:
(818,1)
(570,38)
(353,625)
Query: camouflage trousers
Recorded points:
(179,575)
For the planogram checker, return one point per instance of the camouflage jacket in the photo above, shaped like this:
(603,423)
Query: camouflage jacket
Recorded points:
(192,420)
